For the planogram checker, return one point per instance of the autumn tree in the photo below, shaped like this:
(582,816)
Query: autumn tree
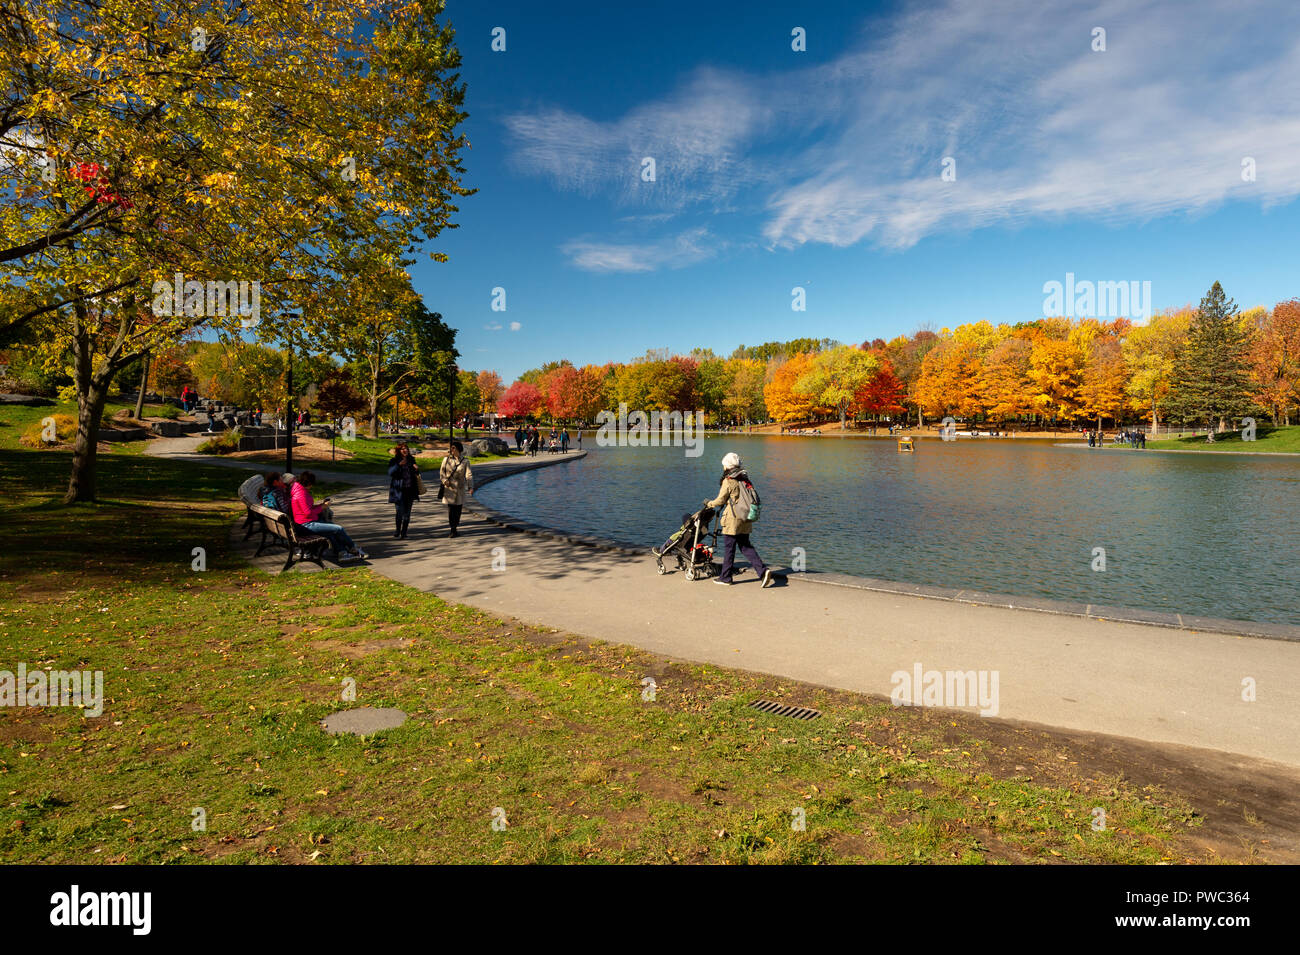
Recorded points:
(884,393)
(1275,360)
(523,399)
(337,396)
(1006,391)
(949,378)
(743,395)
(1101,394)
(394,344)
(834,378)
(490,387)
(1056,363)
(564,393)
(1149,352)
(172,372)
(712,382)
(223,143)
(784,402)
(672,385)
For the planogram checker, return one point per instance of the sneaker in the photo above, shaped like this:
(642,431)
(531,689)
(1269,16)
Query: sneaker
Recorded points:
(719,580)
(767,578)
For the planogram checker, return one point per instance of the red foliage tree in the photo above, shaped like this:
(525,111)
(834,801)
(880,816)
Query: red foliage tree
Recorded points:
(564,396)
(884,393)
(521,400)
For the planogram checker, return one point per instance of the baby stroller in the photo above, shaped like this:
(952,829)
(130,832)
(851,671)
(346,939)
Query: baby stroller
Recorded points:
(694,556)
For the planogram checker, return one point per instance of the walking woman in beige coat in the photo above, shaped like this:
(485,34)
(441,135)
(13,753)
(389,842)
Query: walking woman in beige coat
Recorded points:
(735,529)
(457,481)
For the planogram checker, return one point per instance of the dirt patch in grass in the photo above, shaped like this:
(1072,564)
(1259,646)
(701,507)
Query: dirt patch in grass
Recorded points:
(25,729)
(357,651)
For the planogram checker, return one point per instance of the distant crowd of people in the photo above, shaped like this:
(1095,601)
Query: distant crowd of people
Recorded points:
(529,441)
(1133,438)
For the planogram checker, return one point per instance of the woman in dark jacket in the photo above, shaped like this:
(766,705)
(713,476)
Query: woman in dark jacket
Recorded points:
(403,486)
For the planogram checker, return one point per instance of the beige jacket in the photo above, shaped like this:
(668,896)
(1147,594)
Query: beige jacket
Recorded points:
(457,479)
(728,494)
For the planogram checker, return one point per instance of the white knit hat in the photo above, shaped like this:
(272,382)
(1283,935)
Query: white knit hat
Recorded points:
(730,460)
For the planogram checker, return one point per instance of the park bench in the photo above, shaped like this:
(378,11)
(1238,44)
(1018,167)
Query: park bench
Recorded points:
(278,529)
(248,492)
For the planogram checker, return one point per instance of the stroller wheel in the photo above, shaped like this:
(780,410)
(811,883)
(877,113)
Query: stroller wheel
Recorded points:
(661,568)
(690,573)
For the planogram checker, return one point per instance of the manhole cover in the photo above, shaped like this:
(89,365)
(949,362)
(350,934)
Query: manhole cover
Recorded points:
(363,721)
(780,709)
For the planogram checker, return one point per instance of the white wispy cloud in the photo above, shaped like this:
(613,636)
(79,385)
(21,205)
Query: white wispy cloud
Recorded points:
(674,252)
(1042,128)
(693,137)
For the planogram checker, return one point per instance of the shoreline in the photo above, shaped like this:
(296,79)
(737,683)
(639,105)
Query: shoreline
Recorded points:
(1261,630)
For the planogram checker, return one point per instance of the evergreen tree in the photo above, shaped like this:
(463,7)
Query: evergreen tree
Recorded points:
(1211,378)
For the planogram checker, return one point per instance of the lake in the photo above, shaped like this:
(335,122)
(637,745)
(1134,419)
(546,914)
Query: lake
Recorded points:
(1205,534)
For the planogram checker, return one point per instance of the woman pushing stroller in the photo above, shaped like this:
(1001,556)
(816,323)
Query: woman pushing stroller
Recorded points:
(732,487)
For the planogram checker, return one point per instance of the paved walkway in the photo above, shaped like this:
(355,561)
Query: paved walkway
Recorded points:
(1153,683)
(1160,684)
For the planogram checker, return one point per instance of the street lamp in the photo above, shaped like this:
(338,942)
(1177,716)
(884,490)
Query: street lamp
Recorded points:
(451,408)
(288,421)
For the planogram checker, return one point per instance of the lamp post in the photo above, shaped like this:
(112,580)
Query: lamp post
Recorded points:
(288,421)
(451,408)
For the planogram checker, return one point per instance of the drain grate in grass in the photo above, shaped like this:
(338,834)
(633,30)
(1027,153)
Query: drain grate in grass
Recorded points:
(780,709)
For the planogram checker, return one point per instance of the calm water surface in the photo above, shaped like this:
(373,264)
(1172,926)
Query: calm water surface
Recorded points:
(1205,534)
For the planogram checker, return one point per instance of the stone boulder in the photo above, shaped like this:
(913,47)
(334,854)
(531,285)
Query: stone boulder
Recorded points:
(480,447)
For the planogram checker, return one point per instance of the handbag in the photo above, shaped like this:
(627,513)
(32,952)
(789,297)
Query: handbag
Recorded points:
(419,484)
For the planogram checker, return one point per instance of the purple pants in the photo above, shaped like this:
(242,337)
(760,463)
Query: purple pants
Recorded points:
(729,544)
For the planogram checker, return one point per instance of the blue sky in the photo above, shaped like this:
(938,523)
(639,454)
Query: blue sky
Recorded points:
(822,169)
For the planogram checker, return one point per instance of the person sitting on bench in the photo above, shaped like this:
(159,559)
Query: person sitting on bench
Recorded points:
(274,493)
(307,513)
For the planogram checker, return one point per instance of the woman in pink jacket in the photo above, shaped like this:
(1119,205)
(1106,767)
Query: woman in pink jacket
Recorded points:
(306,513)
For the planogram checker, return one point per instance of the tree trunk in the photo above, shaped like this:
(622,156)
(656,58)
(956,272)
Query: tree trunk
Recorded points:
(374,407)
(144,386)
(90,406)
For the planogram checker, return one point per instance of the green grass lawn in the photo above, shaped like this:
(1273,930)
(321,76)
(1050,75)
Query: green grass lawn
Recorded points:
(1268,440)
(215,683)
(15,419)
